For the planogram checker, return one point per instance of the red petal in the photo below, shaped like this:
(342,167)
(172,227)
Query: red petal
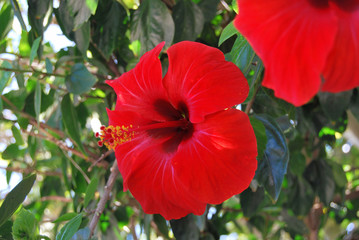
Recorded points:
(138,89)
(293,38)
(200,77)
(150,177)
(342,68)
(219,161)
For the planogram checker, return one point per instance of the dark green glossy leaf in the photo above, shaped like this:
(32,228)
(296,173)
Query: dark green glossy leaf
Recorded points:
(90,191)
(242,54)
(188,19)
(334,104)
(17,11)
(80,11)
(17,135)
(111,27)
(185,228)
(300,195)
(80,79)
(82,37)
(14,198)
(70,228)
(46,101)
(69,118)
(6,231)
(161,224)
(320,176)
(36,13)
(259,131)
(25,226)
(34,48)
(294,224)
(66,217)
(273,166)
(209,8)
(228,32)
(152,23)
(297,163)
(251,202)
(6,19)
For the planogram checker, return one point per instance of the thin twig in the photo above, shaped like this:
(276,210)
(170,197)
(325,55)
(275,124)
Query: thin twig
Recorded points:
(31,170)
(250,103)
(103,156)
(101,205)
(16,70)
(56,198)
(77,167)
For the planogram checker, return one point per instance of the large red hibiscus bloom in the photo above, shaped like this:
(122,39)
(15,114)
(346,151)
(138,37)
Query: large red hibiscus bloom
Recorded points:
(178,143)
(306,45)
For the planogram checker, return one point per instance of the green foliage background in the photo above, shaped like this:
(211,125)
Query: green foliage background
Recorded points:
(306,186)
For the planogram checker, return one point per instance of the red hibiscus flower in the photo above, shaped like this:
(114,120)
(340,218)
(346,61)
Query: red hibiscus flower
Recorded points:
(178,143)
(306,45)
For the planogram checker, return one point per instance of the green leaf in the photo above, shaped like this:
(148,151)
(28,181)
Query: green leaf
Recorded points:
(6,19)
(251,202)
(152,23)
(82,234)
(300,195)
(37,12)
(80,79)
(109,28)
(34,48)
(17,11)
(188,19)
(90,191)
(242,54)
(185,228)
(259,131)
(92,5)
(25,226)
(70,228)
(6,231)
(15,197)
(12,152)
(320,176)
(161,224)
(339,174)
(17,135)
(209,9)
(69,118)
(228,31)
(80,11)
(65,217)
(4,76)
(335,104)
(48,66)
(82,37)
(273,166)
(37,101)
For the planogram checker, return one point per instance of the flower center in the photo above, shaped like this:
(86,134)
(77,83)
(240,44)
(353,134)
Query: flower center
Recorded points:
(112,136)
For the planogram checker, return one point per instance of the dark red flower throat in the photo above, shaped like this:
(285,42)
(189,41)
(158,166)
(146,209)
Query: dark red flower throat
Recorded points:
(175,129)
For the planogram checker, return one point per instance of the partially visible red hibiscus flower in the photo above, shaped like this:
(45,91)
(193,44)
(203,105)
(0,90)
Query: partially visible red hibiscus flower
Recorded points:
(178,143)
(306,45)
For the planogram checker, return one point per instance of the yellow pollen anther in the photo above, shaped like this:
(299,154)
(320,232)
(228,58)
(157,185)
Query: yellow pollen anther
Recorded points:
(112,136)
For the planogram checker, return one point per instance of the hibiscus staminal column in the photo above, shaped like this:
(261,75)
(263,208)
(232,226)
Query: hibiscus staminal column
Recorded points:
(178,143)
